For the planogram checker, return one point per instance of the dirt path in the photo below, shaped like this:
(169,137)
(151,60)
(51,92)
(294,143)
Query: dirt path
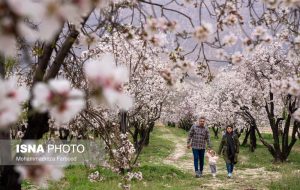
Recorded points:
(180,148)
(249,178)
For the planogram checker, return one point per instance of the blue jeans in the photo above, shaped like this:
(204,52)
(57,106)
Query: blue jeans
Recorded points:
(229,167)
(198,155)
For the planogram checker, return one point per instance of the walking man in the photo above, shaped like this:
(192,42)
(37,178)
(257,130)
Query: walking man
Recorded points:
(198,138)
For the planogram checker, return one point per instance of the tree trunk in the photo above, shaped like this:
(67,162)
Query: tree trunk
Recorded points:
(252,138)
(123,122)
(151,127)
(143,134)
(281,154)
(2,66)
(52,132)
(245,141)
(8,176)
(278,156)
(64,134)
(37,125)
(135,138)
(216,131)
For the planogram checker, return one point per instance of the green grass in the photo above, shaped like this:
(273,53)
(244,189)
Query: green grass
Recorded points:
(288,182)
(160,176)
(76,179)
(176,131)
(262,158)
(156,176)
(158,149)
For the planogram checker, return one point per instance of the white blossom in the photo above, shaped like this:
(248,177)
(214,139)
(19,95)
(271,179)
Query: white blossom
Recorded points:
(297,42)
(89,40)
(259,32)
(236,57)
(221,54)
(230,39)
(11,96)
(57,97)
(203,32)
(106,79)
(291,3)
(272,3)
(151,26)
(231,20)
(40,174)
(296,114)
(95,177)
(158,39)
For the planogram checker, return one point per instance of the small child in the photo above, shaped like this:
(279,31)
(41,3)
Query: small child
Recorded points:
(212,160)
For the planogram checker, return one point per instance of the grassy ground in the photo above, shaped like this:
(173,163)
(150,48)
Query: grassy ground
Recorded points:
(161,171)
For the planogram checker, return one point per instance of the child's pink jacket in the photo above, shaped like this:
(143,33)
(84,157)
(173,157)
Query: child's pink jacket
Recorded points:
(212,160)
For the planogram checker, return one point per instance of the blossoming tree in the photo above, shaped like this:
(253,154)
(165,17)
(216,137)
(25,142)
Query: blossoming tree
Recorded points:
(46,38)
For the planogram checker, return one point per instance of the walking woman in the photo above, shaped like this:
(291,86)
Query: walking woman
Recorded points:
(229,148)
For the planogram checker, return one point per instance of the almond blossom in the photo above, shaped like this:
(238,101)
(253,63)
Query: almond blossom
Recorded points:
(221,54)
(236,57)
(188,2)
(155,25)
(289,86)
(134,175)
(95,177)
(231,20)
(52,15)
(11,96)
(230,40)
(155,29)
(106,80)
(59,99)
(151,26)
(291,3)
(89,40)
(203,32)
(87,5)
(40,174)
(48,15)
(272,3)
(297,42)
(259,32)
(158,39)
(296,114)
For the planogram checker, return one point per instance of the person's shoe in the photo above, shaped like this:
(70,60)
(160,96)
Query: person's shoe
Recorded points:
(214,175)
(197,174)
(229,175)
(201,173)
